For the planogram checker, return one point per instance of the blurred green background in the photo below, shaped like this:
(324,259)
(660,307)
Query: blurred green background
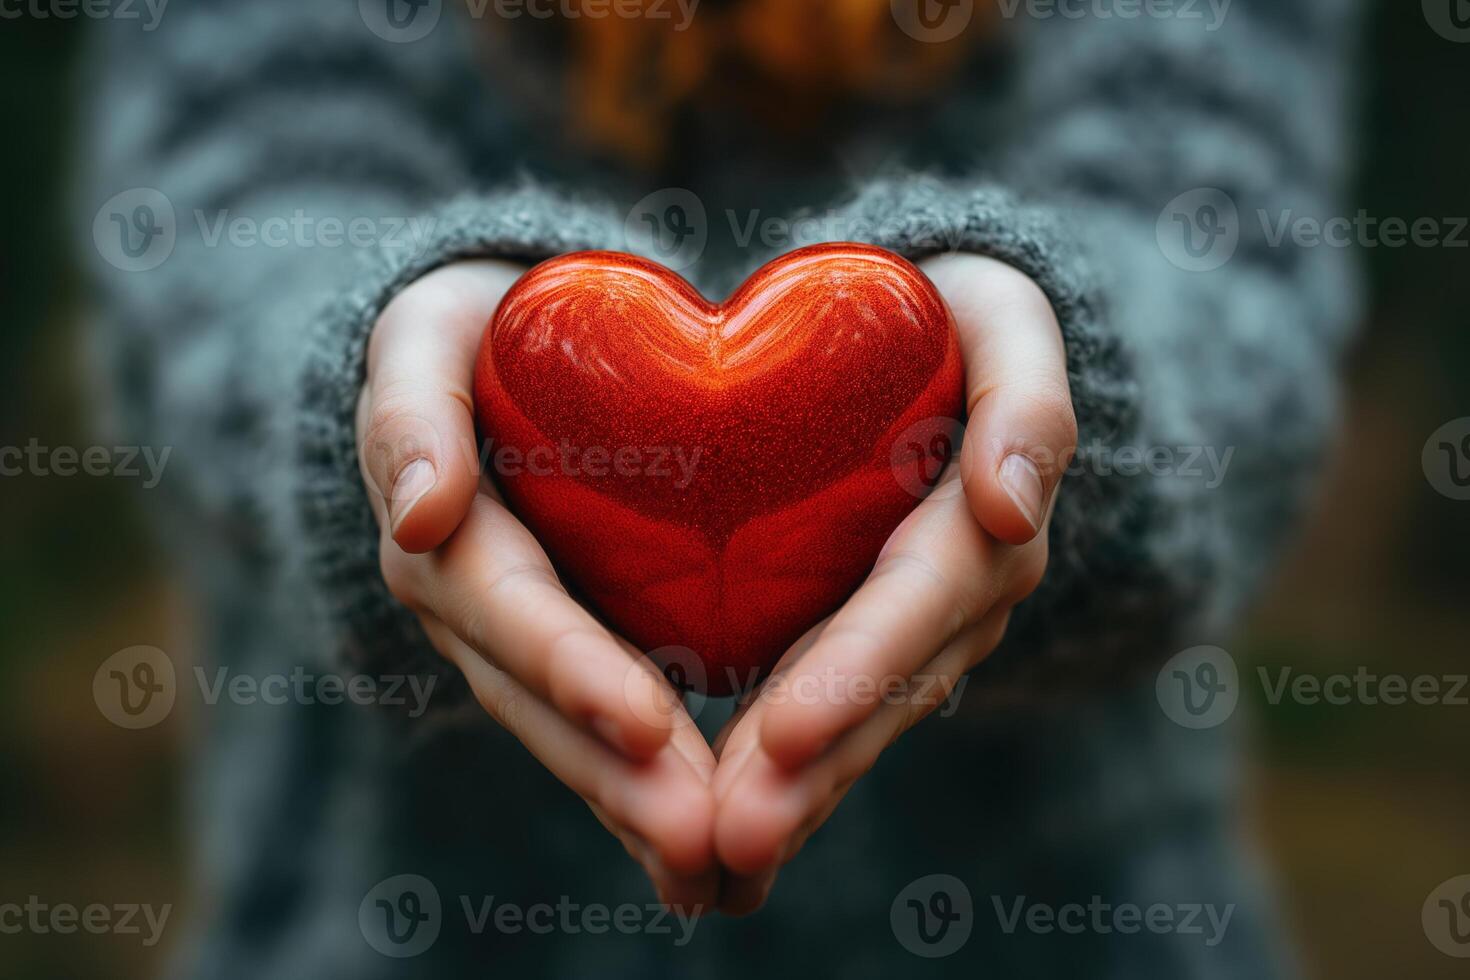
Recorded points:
(1361,810)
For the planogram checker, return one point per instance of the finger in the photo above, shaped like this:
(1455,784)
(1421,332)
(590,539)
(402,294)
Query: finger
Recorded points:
(752,696)
(937,574)
(691,894)
(662,801)
(493,586)
(418,434)
(769,811)
(1021,432)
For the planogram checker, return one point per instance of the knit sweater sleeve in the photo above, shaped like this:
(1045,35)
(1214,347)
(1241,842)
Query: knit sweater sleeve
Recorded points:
(1145,168)
(265,176)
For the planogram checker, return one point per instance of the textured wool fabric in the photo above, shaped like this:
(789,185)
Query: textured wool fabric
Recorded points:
(1058,778)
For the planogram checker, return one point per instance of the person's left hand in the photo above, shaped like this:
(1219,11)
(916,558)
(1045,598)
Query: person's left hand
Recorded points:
(936,603)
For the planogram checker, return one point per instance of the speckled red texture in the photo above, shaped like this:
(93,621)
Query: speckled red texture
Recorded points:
(717,477)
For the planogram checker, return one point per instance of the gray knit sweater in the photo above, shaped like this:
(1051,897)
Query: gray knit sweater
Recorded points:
(1117,160)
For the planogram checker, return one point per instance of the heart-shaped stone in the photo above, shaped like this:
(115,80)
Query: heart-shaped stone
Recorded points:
(718,477)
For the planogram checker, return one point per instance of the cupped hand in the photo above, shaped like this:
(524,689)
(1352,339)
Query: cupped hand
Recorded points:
(582,700)
(936,603)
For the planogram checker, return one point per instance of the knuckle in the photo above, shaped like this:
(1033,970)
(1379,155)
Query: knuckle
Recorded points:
(1049,401)
(397,432)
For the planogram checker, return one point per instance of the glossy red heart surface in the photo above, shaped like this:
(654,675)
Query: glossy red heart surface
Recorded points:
(717,478)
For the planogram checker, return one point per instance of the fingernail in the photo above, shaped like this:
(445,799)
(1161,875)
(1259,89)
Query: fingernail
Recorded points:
(415,480)
(1022,482)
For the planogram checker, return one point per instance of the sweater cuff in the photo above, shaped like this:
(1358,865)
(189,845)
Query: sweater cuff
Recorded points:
(1054,646)
(376,635)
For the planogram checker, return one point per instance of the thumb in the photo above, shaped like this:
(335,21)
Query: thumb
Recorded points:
(418,450)
(419,464)
(1017,446)
(1022,431)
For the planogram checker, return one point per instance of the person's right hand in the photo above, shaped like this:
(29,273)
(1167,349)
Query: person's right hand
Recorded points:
(584,702)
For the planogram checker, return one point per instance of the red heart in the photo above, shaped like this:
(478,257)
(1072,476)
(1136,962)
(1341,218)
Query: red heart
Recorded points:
(718,477)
